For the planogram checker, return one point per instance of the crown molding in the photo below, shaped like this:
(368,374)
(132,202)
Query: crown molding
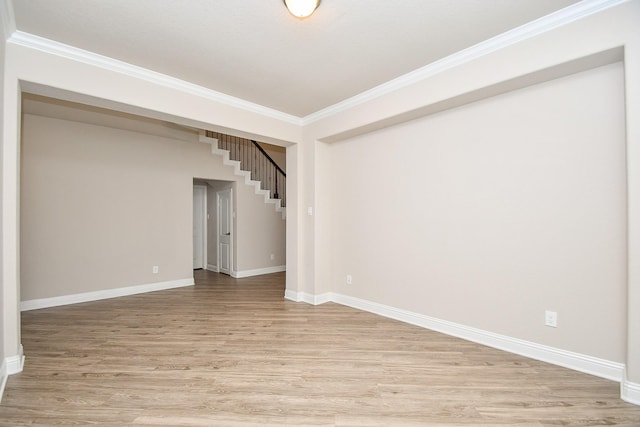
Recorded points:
(7,18)
(534,28)
(79,55)
(549,22)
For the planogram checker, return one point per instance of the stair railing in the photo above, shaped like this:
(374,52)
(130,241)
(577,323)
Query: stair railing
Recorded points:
(255,159)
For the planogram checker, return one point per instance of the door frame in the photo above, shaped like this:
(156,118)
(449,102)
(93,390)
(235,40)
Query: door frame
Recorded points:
(204,222)
(231,224)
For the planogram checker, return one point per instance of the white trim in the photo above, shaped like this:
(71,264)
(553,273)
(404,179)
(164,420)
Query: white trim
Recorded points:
(576,361)
(258,271)
(8,19)
(3,377)
(15,363)
(580,362)
(75,54)
(306,297)
(546,23)
(630,392)
(214,268)
(36,304)
(529,30)
(292,295)
(10,365)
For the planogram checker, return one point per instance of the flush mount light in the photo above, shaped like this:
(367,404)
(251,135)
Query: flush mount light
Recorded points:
(301,8)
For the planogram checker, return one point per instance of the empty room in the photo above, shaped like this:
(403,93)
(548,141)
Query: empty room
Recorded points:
(309,212)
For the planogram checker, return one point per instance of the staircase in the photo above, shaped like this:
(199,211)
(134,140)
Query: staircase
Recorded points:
(252,162)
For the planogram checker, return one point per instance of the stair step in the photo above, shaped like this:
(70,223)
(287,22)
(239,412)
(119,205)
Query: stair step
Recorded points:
(227,161)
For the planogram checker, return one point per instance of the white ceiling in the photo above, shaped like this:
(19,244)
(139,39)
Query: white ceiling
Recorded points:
(256,51)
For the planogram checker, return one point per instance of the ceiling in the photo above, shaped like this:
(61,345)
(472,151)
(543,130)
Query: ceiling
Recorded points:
(255,50)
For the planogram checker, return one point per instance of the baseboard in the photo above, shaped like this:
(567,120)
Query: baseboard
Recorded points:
(15,363)
(306,297)
(4,375)
(36,304)
(258,271)
(630,392)
(9,366)
(576,361)
(292,295)
(214,268)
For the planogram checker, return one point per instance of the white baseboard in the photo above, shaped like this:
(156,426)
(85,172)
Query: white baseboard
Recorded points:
(292,295)
(576,361)
(630,392)
(36,304)
(15,363)
(10,365)
(214,268)
(306,297)
(4,375)
(258,271)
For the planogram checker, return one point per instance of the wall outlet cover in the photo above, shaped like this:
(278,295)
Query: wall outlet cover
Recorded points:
(551,318)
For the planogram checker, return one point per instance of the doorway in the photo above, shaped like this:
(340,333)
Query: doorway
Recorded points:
(199,227)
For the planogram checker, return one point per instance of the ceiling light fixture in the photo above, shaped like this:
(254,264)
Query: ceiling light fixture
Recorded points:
(301,8)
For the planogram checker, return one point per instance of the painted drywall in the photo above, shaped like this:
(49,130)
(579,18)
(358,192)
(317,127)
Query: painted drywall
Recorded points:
(277,153)
(101,206)
(490,214)
(3,32)
(10,240)
(294,245)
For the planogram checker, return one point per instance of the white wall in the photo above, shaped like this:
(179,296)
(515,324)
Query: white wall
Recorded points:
(489,214)
(101,206)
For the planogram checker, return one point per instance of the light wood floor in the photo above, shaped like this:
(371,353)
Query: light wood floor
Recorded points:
(233,352)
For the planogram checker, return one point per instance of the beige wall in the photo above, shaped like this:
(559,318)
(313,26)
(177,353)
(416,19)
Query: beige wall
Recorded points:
(100,206)
(278,154)
(294,237)
(3,289)
(492,213)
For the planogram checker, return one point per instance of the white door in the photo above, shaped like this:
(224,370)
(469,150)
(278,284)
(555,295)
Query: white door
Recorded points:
(225,226)
(199,226)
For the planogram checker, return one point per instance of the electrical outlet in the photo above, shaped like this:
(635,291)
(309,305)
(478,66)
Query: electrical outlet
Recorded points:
(349,279)
(155,269)
(551,318)
(273,257)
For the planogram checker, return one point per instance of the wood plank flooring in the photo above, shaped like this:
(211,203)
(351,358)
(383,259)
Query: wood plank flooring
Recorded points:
(233,352)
